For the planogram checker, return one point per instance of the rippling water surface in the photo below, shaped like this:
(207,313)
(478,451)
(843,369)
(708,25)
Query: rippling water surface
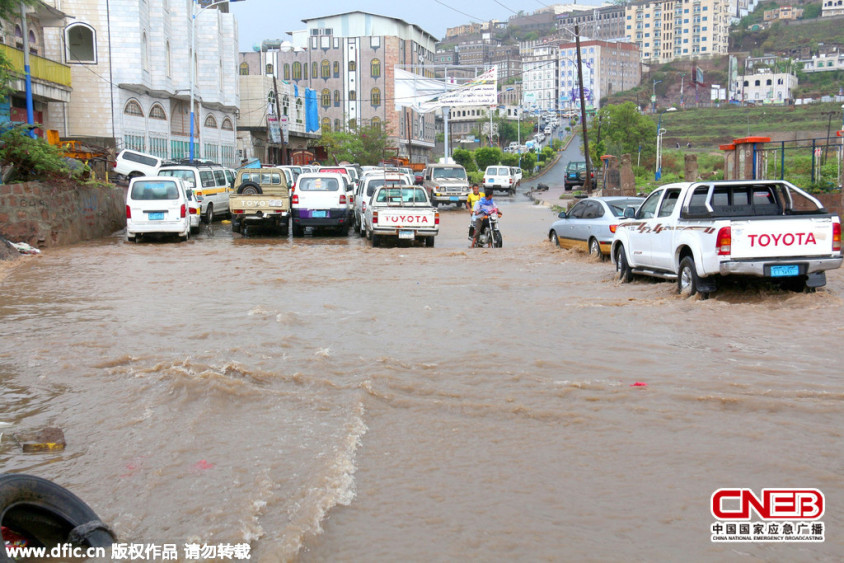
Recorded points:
(324,400)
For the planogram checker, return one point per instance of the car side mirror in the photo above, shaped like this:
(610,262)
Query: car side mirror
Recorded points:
(562,215)
(629,213)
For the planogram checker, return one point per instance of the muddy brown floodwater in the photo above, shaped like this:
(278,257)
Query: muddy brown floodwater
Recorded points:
(323,400)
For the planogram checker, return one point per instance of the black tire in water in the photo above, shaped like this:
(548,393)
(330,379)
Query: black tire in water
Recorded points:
(688,282)
(625,274)
(48,514)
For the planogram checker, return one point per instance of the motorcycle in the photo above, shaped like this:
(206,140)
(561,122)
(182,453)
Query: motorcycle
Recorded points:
(490,233)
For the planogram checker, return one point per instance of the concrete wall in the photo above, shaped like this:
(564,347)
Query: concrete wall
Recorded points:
(44,215)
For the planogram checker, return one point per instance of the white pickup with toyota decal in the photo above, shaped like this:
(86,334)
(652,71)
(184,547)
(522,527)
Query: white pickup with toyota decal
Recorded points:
(403,212)
(695,232)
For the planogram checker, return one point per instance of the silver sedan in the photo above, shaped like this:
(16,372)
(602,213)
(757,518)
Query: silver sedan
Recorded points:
(590,224)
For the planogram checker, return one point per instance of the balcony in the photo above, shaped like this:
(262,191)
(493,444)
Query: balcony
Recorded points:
(40,68)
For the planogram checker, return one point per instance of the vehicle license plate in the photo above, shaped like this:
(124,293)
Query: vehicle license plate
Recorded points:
(407,235)
(783,271)
(454,198)
(156,216)
(318,214)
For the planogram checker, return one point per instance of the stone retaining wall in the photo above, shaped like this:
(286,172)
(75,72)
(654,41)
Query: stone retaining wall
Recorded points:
(44,215)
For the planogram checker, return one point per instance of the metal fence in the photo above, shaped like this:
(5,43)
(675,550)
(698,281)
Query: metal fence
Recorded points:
(816,164)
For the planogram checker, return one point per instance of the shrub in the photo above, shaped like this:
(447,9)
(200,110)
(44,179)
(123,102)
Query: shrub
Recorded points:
(35,158)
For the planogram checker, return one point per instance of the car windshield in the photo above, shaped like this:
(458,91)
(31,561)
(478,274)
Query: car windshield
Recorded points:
(186,175)
(319,184)
(377,183)
(154,190)
(452,172)
(575,166)
(404,195)
(617,207)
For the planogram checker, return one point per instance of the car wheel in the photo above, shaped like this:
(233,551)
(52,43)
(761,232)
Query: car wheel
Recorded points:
(194,230)
(209,214)
(512,191)
(298,230)
(429,242)
(376,240)
(625,274)
(357,224)
(554,239)
(249,188)
(595,248)
(235,226)
(688,282)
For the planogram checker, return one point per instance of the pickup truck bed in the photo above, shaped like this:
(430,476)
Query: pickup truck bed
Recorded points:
(698,232)
(403,213)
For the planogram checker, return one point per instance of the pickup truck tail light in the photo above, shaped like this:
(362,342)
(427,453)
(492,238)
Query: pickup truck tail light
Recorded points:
(836,237)
(129,213)
(295,199)
(436,218)
(374,217)
(183,211)
(724,241)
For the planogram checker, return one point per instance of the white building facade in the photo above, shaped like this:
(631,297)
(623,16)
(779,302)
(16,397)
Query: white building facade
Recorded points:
(766,87)
(130,63)
(539,78)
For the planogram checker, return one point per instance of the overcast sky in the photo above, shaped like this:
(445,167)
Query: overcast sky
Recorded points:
(272,19)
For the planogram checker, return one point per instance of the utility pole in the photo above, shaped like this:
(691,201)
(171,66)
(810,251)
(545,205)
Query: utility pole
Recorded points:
(587,183)
(682,99)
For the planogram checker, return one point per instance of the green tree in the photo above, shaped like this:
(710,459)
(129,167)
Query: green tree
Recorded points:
(812,11)
(528,161)
(34,158)
(487,156)
(465,159)
(510,159)
(362,145)
(624,130)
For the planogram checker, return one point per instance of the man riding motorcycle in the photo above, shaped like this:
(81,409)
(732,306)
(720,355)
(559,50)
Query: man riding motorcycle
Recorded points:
(480,215)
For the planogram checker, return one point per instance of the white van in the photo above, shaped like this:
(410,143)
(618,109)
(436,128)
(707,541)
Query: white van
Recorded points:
(131,164)
(210,185)
(321,200)
(157,205)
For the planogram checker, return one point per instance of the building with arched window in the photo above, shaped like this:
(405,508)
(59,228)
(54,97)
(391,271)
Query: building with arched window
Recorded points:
(131,73)
(352,54)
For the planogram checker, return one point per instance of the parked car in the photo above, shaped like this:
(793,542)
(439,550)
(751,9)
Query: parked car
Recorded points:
(321,200)
(194,211)
(517,174)
(210,185)
(591,224)
(576,174)
(132,164)
(363,194)
(157,205)
(499,178)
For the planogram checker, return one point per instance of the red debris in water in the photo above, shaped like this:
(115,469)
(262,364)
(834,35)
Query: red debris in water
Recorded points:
(638,384)
(202,464)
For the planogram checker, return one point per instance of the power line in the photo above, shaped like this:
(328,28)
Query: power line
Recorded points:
(458,11)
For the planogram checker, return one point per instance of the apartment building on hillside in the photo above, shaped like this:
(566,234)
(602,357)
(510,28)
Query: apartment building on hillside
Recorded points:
(678,29)
(606,23)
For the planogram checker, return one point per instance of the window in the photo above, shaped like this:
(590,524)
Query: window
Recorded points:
(299,110)
(336,69)
(287,71)
(376,123)
(305,71)
(211,122)
(352,96)
(326,69)
(227,125)
(314,70)
(326,124)
(326,98)
(337,125)
(297,71)
(375,68)
(244,69)
(375,97)
(336,97)
(268,69)
(133,108)
(353,66)
(80,41)
(157,112)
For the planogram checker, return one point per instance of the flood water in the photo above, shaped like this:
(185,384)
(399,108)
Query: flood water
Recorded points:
(323,400)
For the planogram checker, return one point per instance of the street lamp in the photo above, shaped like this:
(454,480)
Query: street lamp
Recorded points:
(653,95)
(192,65)
(659,133)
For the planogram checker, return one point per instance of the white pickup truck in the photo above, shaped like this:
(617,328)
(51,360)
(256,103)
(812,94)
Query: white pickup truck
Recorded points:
(402,212)
(694,232)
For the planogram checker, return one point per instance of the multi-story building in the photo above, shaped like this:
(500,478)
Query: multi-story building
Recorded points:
(824,62)
(765,87)
(130,64)
(832,8)
(607,68)
(508,61)
(539,78)
(349,60)
(605,23)
(266,101)
(467,29)
(674,29)
(50,79)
